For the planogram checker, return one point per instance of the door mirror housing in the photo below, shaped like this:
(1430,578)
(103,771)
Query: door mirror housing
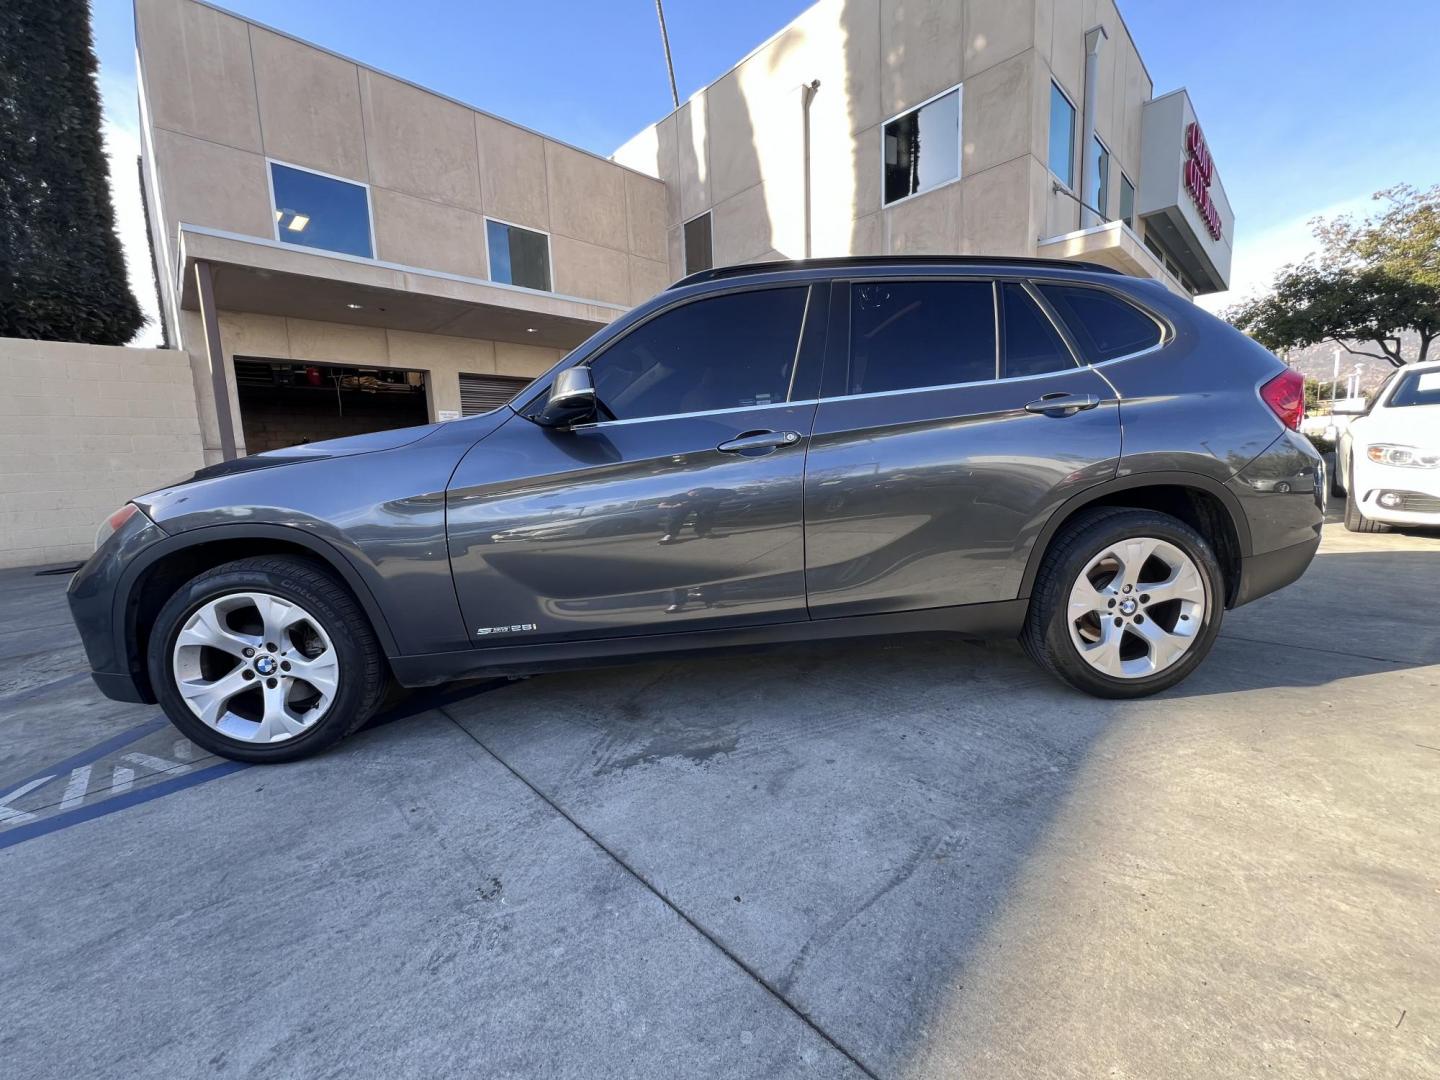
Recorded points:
(571,400)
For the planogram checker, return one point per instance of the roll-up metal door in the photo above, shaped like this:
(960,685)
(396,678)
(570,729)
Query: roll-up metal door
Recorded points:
(481,393)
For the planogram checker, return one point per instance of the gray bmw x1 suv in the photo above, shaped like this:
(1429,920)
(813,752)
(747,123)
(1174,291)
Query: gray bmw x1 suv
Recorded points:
(760,454)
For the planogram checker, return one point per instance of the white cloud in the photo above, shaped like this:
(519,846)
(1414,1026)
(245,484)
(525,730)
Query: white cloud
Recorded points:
(1258,255)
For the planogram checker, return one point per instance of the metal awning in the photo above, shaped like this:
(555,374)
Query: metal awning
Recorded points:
(1112,244)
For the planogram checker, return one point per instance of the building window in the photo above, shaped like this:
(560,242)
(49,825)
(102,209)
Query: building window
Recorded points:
(518,256)
(699,252)
(319,211)
(1062,137)
(922,147)
(1127,201)
(484,393)
(1098,165)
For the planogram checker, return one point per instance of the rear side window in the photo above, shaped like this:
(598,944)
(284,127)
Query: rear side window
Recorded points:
(726,352)
(1103,325)
(905,335)
(1029,343)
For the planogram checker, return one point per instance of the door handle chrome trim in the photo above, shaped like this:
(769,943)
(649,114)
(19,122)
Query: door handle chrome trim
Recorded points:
(1062,404)
(759,440)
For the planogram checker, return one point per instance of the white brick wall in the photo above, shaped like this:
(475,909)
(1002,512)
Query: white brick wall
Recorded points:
(83,428)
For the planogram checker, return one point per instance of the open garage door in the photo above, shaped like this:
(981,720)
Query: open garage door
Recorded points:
(284,403)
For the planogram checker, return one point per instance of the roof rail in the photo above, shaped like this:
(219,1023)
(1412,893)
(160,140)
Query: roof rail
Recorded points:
(848,262)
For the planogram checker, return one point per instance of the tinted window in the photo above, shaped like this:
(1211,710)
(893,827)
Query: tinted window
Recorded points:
(909,334)
(1416,388)
(922,148)
(722,353)
(1030,345)
(1062,137)
(320,211)
(1098,163)
(1103,325)
(698,254)
(518,256)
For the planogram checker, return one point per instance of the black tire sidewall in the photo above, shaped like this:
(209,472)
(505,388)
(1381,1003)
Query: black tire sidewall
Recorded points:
(338,720)
(1088,542)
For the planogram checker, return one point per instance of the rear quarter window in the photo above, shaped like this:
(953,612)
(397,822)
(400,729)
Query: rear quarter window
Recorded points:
(1103,325)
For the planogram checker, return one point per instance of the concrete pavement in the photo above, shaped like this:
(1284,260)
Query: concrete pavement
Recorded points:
(911,858)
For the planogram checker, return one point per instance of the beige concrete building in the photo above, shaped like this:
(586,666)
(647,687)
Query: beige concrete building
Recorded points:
(340,250)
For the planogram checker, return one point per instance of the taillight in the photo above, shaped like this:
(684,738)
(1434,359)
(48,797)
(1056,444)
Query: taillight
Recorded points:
(1285,394)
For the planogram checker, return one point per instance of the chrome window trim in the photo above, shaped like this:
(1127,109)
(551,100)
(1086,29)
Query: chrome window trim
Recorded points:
(692,415)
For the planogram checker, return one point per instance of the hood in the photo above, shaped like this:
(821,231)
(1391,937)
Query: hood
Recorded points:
(1412,425)
(318,451)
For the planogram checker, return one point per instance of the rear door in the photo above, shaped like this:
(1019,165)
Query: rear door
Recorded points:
(954,420)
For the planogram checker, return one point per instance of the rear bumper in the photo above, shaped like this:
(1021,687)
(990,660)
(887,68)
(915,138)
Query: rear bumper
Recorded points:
(1262,574)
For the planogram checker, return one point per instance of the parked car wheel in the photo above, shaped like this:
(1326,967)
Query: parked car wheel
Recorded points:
(1127,603)
(1355,519)
(265,660)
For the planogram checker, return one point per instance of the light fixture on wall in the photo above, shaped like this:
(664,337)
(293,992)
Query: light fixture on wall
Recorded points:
(530,329)
(355,307)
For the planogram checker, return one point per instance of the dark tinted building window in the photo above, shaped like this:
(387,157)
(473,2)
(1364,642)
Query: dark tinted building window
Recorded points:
(1029,342)
(722,353)
(1103,325)
(922,148)
(321,212)
(698,252)
(518,256)
(909,334)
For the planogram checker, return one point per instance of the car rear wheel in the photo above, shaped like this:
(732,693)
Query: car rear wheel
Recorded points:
(265,660)
(1127,603)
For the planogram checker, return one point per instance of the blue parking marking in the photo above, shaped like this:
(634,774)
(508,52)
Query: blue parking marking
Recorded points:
(20,833)
(96,752)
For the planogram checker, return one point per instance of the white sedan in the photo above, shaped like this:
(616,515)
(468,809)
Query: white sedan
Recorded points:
(1388,460)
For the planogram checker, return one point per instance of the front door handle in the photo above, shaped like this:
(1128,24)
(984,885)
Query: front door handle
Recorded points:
(756,443)
(1062,404)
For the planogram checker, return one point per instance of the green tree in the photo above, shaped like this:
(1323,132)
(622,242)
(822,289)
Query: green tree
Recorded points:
(1371,280)
(62,270)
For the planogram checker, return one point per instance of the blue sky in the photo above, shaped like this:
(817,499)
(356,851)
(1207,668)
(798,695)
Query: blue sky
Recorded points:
(1303,114)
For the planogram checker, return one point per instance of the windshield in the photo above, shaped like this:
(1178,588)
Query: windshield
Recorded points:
(1416,388)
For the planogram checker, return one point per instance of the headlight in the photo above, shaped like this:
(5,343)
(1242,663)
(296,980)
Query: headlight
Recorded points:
(1408,457)
(113,522)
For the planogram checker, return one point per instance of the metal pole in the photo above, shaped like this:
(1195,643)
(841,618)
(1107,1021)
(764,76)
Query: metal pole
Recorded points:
(669,64)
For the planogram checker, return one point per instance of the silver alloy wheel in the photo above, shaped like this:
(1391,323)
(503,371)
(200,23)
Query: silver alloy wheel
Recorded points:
(255,667)
(1136,608)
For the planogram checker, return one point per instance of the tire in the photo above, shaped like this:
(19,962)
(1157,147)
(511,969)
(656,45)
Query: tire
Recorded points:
(292,616)
(1337,486)
(1175,633)
(1357,522)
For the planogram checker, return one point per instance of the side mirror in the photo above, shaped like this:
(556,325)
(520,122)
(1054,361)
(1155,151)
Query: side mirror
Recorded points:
(571,400)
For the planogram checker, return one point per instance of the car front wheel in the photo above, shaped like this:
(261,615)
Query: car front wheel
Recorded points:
(265,659)
(1127,603)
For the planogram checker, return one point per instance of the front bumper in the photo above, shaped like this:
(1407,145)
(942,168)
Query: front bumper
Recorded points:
(98,604)
(1416,494)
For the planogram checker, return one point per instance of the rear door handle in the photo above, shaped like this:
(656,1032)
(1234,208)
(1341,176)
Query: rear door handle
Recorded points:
(1062,404)
(755,443)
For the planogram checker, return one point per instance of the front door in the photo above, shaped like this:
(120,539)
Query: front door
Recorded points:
(682,512)
(956,423)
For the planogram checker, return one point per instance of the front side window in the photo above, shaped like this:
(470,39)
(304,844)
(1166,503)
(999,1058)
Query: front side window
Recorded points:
(1029,343)
(518,256)
(1416,388)
(1127,201)
(922,148)
(1098,165)
(699,253)
(1062,137)
(1103,326)
(321,211)
(906,335)
(726,352)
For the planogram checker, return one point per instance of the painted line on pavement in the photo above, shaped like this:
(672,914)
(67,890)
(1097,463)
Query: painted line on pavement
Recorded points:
(123,801)
(99,750)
